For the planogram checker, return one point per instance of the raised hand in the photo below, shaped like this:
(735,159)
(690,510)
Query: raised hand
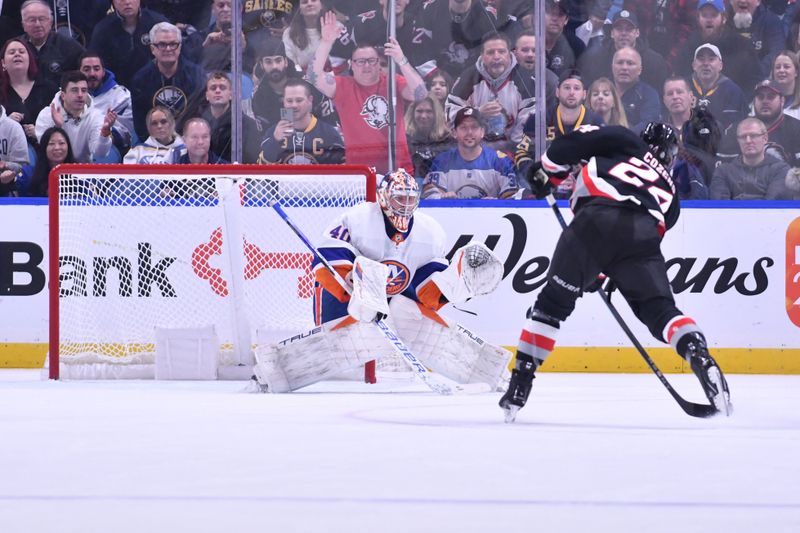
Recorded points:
(329,30)
(110,119)
(392,49)
(282,129)
(57,114)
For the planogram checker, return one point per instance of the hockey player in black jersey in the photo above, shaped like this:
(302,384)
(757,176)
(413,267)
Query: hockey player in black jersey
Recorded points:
(624,201)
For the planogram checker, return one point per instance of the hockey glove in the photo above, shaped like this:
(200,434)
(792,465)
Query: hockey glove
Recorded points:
(473,271)
(538,181)
(597,285)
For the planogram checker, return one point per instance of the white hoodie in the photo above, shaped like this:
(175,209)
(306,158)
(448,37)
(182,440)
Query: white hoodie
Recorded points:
(84,131)
(14,145)
(152,152)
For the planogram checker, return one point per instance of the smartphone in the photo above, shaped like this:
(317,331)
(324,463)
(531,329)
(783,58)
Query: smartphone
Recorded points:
(225,27)
(287,114)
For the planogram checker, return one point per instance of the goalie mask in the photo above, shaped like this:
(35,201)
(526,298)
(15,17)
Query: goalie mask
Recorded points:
(662,141)
(398,196)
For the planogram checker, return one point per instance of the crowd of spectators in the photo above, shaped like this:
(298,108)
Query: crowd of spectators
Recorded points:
(151,82)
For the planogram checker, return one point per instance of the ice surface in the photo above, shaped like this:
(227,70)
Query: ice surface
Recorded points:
(590,453)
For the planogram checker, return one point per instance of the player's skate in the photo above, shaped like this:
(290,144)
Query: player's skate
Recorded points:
(518,390)
(710,375)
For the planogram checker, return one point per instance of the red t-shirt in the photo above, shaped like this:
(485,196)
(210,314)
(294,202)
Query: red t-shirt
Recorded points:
(364,113)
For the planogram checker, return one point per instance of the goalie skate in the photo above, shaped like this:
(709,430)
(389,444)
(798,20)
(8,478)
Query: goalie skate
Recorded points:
(711,379)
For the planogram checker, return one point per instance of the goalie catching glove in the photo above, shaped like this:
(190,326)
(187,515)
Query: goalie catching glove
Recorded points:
(473,271)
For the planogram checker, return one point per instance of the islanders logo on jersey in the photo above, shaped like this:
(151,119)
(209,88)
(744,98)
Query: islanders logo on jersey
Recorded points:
(399,277)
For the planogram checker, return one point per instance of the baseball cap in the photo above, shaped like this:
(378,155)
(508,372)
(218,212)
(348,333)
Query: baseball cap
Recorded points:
(557,4)
(708,46)
(714,3)
(599,11)
(627,16)
(769,85)
(271,47)
(570,73)
(467,112)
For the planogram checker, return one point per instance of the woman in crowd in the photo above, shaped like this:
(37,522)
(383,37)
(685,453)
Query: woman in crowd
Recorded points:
(605,101)
(785,70)
(427,133)
(53,149)
(22,95)
(301,38)
(163,146)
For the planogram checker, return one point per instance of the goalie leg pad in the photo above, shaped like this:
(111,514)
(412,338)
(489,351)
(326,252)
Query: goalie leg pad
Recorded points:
(474,271)
(448,348)
(318,354)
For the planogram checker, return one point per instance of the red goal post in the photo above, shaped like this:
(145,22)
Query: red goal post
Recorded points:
(139,247)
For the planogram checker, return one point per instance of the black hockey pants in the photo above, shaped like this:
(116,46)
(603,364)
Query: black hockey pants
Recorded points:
(622,243)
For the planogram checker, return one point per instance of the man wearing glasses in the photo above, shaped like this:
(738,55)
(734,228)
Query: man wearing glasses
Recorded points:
(122,38)
(55,53)
(169,81)
(783,131)
(755,175)
(362,102)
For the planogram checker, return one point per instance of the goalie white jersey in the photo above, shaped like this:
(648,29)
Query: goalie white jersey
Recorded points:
(412,256)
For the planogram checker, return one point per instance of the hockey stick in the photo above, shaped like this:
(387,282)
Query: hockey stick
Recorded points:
(435,382)
(690,408)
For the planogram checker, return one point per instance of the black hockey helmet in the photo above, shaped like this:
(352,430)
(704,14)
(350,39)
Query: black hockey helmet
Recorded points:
(662,141)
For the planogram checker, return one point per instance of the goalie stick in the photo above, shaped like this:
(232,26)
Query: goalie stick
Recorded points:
(435,382)
(690,408)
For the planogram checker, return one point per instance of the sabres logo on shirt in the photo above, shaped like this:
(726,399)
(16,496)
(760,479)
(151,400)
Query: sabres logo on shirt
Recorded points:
(171,97)
(376,111)
(399,277)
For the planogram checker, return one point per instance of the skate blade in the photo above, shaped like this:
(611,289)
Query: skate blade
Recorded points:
(721,400)
(254,387)
(511,413)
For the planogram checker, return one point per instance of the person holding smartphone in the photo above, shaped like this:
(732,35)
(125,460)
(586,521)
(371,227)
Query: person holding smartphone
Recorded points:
(299,138)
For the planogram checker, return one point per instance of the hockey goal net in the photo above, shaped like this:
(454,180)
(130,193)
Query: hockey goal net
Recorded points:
(134,248)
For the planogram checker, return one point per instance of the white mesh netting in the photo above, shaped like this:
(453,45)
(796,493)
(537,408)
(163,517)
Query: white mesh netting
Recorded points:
(186,249)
